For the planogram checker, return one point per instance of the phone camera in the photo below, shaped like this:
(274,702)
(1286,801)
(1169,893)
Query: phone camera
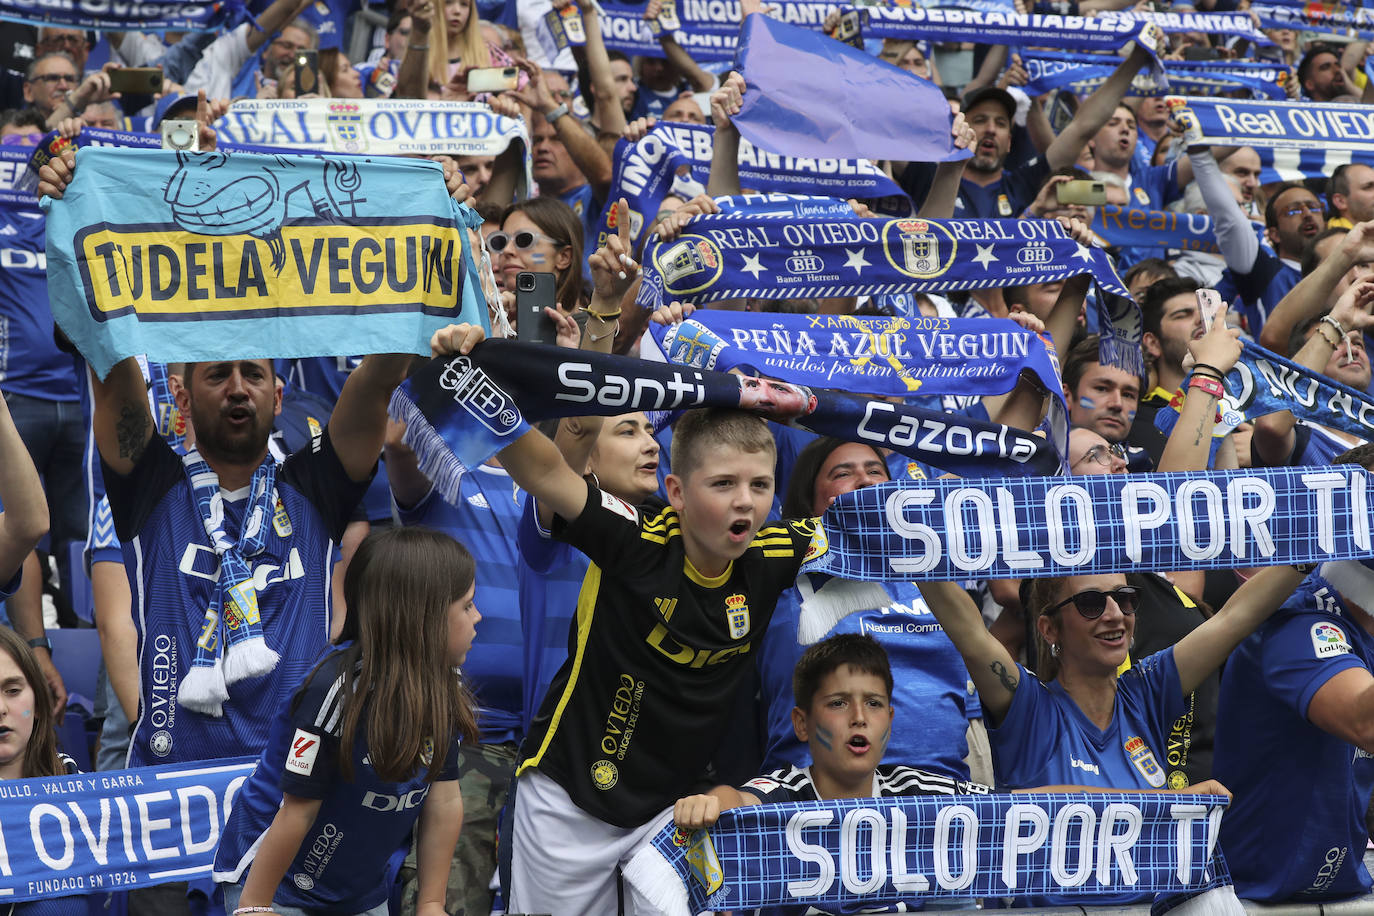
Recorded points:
(525,282)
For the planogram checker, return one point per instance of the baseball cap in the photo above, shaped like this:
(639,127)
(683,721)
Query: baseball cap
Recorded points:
(991,93)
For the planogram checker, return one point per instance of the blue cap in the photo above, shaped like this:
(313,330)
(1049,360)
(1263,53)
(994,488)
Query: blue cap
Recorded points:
(173,104)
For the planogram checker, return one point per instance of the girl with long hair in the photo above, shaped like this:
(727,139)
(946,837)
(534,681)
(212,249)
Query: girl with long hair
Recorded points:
(368,744)
(459,45)
(28,727)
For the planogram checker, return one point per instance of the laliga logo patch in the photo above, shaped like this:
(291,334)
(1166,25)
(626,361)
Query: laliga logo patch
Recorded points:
(1144,760)
(472,388)
(301,758)
(737,615)
(604,775)
(689,265)
(918,248)
(1328,640)
(345,124)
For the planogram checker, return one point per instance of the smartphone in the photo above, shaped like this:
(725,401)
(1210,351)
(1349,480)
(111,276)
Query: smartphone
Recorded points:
(181,134)
(533,293)
(1083,192)
(493,79)
(307,67)
(1210,305)
(1201,52)
(136,80)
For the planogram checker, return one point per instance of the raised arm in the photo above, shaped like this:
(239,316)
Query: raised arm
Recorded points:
(677,55)
(357,427)
(1202,651)
(725,104)
(944,189)
(590,159)
(1235,233)
(610,115)
(24,519)
(1312,293)
(991,666)
(412,81)
(1095,111)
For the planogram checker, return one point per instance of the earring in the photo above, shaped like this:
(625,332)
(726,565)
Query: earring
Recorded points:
(1054,649)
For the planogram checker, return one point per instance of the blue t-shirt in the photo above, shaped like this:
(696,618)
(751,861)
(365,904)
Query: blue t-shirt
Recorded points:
(1259,290)
(172,569)
(1296,828)
(1152,188)
(30,363)
(484,521)
(932,696)
(341,865)
(1047,740)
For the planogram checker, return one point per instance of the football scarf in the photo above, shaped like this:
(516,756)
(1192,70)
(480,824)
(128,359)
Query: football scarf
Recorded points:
(128,16)
(739,256)
(461,410)
(231,645)
(971,357)
(949,530)
(1128,226)
(1265,124)
(853,855)
(208,256)
(1083,73)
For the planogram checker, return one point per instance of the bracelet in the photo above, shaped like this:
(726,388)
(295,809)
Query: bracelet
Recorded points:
(557,113)
(1340,330)
(613,332)
(240,911)
(1208,385)
(1220,374)
(41,642)
(604,316)
(408,49)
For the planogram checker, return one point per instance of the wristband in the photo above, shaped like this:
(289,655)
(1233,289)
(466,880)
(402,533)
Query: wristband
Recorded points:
(1340,331)
(41,642)
(1208,385)
(417,48)
(240,911)
(557,113)
(1209,366)
(604,316)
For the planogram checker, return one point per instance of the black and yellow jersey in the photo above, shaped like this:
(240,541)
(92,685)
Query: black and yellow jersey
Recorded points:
(655,655)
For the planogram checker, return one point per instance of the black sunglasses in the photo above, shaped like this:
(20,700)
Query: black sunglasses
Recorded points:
(1091,603)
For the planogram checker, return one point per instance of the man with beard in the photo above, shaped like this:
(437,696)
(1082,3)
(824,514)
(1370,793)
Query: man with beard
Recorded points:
(988,190)
(1320,75)
(226,540)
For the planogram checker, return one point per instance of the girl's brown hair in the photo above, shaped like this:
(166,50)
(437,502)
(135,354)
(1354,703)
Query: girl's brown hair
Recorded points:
(1041,596)
(397,675)
(558,221)
(40,757)
(471,48)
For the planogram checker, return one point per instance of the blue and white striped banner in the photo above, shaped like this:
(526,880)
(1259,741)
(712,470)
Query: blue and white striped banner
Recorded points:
(1278,125)
(1083,73)
(948,530)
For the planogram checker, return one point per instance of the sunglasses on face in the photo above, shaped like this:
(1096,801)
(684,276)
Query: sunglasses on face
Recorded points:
(523,240)
(1091,603)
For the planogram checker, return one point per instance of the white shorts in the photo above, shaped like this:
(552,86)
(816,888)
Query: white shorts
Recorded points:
(563,860)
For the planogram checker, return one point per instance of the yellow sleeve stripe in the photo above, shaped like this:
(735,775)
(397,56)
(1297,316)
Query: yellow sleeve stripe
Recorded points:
(586,607)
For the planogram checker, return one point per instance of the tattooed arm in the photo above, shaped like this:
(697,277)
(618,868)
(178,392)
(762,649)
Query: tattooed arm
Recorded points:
(991,666)
(122,420)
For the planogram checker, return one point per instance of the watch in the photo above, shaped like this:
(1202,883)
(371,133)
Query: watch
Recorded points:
(41,642)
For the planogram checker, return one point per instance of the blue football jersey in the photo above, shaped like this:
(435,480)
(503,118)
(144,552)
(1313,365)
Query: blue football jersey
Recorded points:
(360,823)
(1296,828)
(485,520)
(173,570)
(30,363)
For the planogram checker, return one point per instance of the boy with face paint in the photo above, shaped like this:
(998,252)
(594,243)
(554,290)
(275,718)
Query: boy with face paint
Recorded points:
(843,690)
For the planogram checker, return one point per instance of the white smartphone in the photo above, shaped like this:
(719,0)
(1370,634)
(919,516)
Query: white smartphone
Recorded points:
(1210,305)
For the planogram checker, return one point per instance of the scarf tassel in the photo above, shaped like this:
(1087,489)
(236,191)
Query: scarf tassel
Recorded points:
(203,689)
(657,881)
(832,602)
(249,658)
(434,456)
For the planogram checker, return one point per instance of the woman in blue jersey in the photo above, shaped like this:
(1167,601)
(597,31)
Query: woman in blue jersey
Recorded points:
(368,745)
(1080,721)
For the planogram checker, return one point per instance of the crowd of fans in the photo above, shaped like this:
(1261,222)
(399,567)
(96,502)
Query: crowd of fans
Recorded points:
(994,685)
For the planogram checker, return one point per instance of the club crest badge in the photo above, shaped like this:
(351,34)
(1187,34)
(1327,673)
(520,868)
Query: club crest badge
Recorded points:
(918,248)
(689,265)
(1144,760)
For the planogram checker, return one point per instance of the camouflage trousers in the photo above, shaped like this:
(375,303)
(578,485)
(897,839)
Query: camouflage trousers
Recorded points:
(484,774)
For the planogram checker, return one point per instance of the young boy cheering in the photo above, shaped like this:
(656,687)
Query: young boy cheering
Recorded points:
(668,618)
(843,690)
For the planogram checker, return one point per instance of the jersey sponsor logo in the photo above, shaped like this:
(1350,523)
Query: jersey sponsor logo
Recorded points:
(623,717)
(317,856)
(478,501)
(162,693)
(1328,640)
(200,562)
(1144,760)
(1331,866)
(301,758)
(604,775)
(19,259)
(380,801)
(1075,763)
(692,657)
(619,507)
(737,615)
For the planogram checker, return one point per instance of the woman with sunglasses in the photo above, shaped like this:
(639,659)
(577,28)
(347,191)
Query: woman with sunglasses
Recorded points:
(542,235)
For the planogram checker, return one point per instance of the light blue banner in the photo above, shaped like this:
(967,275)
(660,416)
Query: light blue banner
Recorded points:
(200,256)
(115,830)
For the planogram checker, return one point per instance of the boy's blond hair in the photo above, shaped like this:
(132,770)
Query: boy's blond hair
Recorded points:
(698,430)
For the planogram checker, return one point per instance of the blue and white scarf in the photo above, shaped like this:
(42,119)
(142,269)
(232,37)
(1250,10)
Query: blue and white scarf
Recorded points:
(1310,17)
(1236,25)
(92,833)
(1128,226)
(461,410)
(903,357)
(128,16)
(733,257)
(1083,73)
(231,647)
(851,855)
(949,530)
(205,256)
(646,172)
(1281,125)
